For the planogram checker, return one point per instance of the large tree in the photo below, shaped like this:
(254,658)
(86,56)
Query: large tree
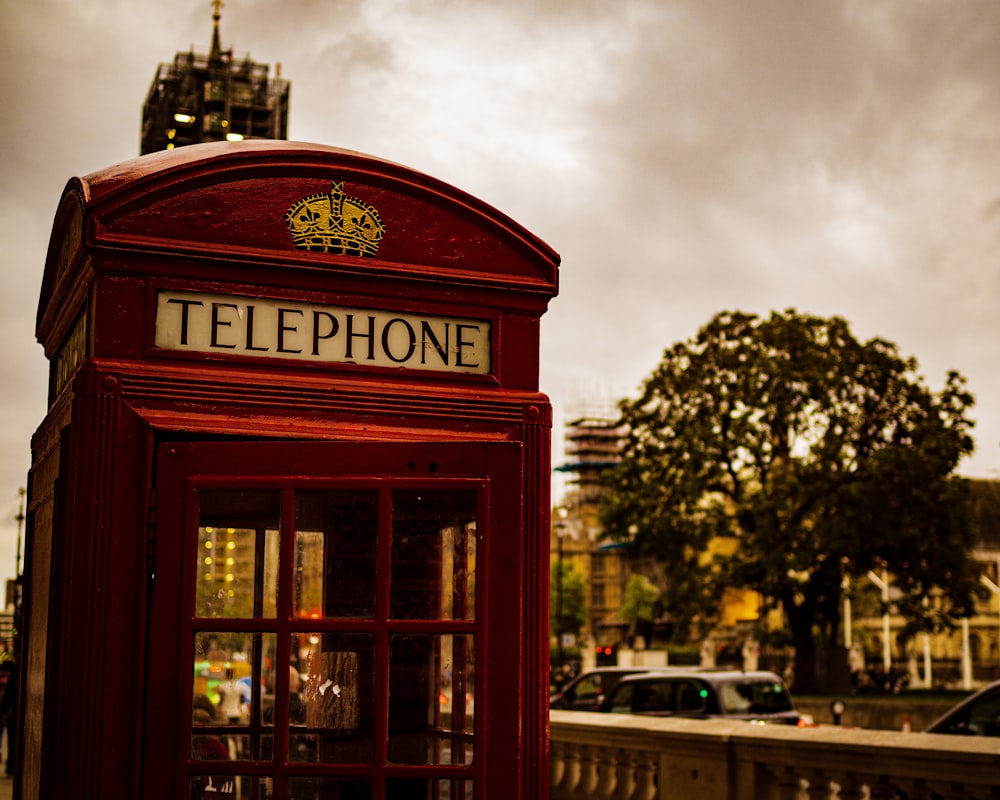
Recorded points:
(780,455)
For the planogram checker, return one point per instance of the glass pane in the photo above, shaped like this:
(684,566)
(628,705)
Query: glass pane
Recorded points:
(433,555)
(231,704)
(431,681)
(421,789)
(230,787)
(454,790)
(332,721)
(330,789)
(237,554)
(335,554)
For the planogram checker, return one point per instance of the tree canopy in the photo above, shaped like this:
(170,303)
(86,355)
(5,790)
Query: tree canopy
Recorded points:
(639,604)
(568,594)
(780,455)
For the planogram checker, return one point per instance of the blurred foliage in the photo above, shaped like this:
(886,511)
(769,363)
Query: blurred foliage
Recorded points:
(780,455)
(641,596)
(573,599)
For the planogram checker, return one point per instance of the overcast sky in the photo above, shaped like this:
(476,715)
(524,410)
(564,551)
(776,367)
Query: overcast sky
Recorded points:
(683,157)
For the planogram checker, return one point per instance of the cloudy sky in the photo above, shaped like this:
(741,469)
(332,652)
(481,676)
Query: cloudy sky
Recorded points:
(683,156)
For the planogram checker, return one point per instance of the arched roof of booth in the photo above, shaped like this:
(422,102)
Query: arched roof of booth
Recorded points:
(239,198)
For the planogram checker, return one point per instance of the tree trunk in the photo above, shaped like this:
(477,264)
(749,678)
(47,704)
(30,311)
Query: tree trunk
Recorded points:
(800,620)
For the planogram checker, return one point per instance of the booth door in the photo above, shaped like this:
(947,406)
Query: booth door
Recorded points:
(322,617)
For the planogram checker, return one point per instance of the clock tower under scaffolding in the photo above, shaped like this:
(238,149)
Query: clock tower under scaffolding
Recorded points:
(199,98)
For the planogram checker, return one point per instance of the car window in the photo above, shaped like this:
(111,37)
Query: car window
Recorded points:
(587,688)
(691,696)
(621,701)
(984,716)
(754,697)
(654,696)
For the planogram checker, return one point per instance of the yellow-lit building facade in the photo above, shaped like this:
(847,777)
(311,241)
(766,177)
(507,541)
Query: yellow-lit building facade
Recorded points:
(969,654)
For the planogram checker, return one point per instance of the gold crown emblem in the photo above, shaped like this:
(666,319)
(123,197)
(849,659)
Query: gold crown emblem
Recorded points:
(335,223)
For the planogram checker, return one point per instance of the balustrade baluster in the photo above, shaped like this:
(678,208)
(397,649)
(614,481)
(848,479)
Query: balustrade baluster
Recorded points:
(566,788)
(882,789)
(971,791)
(608,771)
(851,787)
(918,790)
(645,777)
(624,776)
(590,758)
(788,784)
(557,764)
(819,787)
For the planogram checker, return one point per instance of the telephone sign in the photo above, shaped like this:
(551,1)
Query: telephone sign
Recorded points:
(265,328)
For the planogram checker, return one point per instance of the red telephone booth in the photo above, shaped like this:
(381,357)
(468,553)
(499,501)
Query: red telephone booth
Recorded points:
(288,530)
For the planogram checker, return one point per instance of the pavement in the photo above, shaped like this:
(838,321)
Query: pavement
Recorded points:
(6,784)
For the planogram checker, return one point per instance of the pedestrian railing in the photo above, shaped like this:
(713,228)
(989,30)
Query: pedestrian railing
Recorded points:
(623,757)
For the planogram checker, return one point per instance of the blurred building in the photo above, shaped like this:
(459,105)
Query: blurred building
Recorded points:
(212,98)
(593,444)
(970,651)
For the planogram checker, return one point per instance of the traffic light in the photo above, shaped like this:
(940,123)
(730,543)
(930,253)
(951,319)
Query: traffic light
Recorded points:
(607,655)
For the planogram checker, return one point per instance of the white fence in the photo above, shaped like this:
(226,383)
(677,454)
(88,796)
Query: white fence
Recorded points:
(622,757)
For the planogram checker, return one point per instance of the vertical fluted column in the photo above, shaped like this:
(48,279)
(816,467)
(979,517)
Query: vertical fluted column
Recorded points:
(624,776)
(645,778)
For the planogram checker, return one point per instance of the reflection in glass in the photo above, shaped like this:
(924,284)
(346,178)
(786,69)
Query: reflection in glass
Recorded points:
(420,789)
(404,608)
(433,554)
(334,721)
(236,569)
(230,787)
(230,704)
(335,554)
(333,788)
(431,681)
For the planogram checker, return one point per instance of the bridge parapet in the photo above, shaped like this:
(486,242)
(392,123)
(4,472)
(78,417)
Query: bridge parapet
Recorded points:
(623,757)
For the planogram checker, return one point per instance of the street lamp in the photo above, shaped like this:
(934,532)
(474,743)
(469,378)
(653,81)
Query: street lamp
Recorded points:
(18,579)
(20,521)
(882,582)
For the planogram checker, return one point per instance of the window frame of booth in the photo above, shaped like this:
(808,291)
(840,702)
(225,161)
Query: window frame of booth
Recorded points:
(491,471)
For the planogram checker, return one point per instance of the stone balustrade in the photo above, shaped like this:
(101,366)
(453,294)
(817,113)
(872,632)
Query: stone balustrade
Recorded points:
(622,757)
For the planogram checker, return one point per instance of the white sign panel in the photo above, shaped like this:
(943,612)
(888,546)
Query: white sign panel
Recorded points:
(265,328)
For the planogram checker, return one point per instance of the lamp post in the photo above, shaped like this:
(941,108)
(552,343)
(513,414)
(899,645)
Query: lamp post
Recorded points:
(20,521)
(882,582)
(845,585)
(15,645)
(928,665)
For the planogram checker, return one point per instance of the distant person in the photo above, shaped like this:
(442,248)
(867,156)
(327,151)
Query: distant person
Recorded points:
(8,713)
(205,746)
(232,697)
(6,666)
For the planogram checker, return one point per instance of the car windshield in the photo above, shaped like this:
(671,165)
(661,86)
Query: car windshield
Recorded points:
(755,697)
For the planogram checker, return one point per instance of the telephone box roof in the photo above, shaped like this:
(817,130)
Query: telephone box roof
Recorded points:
(235,199)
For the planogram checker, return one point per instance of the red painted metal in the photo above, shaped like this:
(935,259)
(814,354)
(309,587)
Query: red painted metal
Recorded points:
(101,621)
